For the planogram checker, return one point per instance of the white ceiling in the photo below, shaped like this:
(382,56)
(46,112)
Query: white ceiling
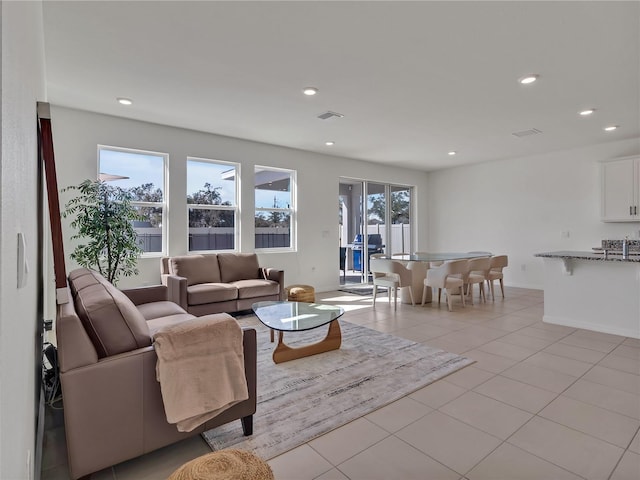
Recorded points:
(414,80)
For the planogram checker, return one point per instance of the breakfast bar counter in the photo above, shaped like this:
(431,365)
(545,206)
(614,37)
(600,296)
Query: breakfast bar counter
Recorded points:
(593,290)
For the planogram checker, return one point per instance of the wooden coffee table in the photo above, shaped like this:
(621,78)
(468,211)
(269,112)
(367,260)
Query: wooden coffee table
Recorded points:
(298,317)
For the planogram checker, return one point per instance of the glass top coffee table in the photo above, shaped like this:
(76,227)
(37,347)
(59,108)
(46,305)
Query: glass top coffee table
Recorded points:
(298,317)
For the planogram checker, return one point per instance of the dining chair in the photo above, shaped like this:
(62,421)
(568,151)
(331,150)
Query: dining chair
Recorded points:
(393,275)
(498,262)
(478,273)
(448,276)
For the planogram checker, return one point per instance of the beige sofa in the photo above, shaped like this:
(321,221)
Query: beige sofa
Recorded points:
(113,408)
(223,282)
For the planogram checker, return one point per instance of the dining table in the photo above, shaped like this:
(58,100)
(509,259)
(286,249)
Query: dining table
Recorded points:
(419,262)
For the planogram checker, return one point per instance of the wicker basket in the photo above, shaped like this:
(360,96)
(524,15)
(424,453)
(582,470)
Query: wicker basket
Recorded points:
(228,464)
(301,293)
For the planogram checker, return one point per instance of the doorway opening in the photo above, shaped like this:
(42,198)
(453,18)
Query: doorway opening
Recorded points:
(373,218)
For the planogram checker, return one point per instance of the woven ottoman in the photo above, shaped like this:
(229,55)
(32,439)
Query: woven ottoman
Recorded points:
(298,293)
(230,464)
(301,293)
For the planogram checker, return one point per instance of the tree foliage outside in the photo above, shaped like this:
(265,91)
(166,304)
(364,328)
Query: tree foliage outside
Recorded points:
(147,192)
(205,217)
(273,218)
(399,208)
(103,219)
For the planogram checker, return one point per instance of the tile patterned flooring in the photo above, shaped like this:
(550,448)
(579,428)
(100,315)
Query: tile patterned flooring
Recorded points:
(543,402)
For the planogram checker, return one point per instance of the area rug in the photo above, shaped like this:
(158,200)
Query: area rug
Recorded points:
(365,290)
(305,398)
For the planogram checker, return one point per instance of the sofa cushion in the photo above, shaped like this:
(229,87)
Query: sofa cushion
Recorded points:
(159,309)
(256,288)
(111,320)
(238,266)
(211,293)
(80,278)
(196,268)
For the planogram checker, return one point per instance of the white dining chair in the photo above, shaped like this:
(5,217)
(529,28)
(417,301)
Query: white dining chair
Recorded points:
(478,272)
(393,275)
(498,262)
(448,276)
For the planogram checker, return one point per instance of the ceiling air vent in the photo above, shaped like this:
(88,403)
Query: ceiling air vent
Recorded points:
(526,133)
(329,114)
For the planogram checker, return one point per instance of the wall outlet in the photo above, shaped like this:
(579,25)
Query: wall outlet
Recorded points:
(565,234)
(523,267)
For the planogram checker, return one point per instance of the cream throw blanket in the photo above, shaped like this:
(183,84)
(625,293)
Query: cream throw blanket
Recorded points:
(200,369)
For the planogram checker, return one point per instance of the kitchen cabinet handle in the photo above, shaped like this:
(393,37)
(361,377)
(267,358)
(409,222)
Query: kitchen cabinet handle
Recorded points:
(630,210)
(635,210)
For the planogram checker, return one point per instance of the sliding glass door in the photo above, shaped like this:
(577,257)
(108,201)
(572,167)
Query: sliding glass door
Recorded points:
(350,218)
(400,234)
(388,211)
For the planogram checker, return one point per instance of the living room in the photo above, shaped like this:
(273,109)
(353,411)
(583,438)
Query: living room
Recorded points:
(519,205)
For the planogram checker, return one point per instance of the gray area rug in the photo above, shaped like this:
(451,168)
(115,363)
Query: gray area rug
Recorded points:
(305,398)
(364,290)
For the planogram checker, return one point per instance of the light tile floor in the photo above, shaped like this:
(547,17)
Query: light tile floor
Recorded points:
(542,402)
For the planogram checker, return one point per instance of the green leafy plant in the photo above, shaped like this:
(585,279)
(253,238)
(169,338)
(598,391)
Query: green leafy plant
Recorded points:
(103,215)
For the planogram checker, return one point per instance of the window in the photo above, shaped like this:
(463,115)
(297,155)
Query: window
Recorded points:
(212,200)
(143,175)
(275,208)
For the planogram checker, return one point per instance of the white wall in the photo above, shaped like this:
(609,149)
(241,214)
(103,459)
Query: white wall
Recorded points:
(522,206)
(77,134)
(22,86)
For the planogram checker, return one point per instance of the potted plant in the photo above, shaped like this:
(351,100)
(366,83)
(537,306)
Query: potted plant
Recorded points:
(104,217)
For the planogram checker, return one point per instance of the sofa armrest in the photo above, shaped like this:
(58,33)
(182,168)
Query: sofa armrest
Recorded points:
(177,290)
(277,276)
(140,295)
(104,411)
(250,348)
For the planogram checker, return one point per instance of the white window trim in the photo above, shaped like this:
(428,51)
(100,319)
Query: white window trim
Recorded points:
(292,211)
(235,208)
(165,192)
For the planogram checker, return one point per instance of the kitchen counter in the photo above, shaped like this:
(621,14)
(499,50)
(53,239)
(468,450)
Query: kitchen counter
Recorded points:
(600,256)
(593,291)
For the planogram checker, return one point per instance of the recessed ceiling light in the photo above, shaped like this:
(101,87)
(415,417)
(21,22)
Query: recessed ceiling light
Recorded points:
(310,91)
(452,153)
(329,143)
(125,101)
(527,79)
(611,128)
(587,112)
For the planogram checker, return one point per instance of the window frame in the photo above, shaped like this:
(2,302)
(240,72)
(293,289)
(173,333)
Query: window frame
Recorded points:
(235,208)
(164,205)
(291,210)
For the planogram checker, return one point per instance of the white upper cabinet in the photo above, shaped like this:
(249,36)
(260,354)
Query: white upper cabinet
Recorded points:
(621,190)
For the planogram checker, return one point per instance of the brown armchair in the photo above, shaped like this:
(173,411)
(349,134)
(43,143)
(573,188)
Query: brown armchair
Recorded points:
(113,408)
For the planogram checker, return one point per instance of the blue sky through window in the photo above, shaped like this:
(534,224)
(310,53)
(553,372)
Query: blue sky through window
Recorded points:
(199,173)
(140,168)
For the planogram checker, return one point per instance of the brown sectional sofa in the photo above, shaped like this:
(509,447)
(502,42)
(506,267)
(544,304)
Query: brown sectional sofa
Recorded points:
(223,282)
(113,409)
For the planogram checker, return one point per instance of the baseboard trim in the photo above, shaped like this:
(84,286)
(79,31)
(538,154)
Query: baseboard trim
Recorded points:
(568,322)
